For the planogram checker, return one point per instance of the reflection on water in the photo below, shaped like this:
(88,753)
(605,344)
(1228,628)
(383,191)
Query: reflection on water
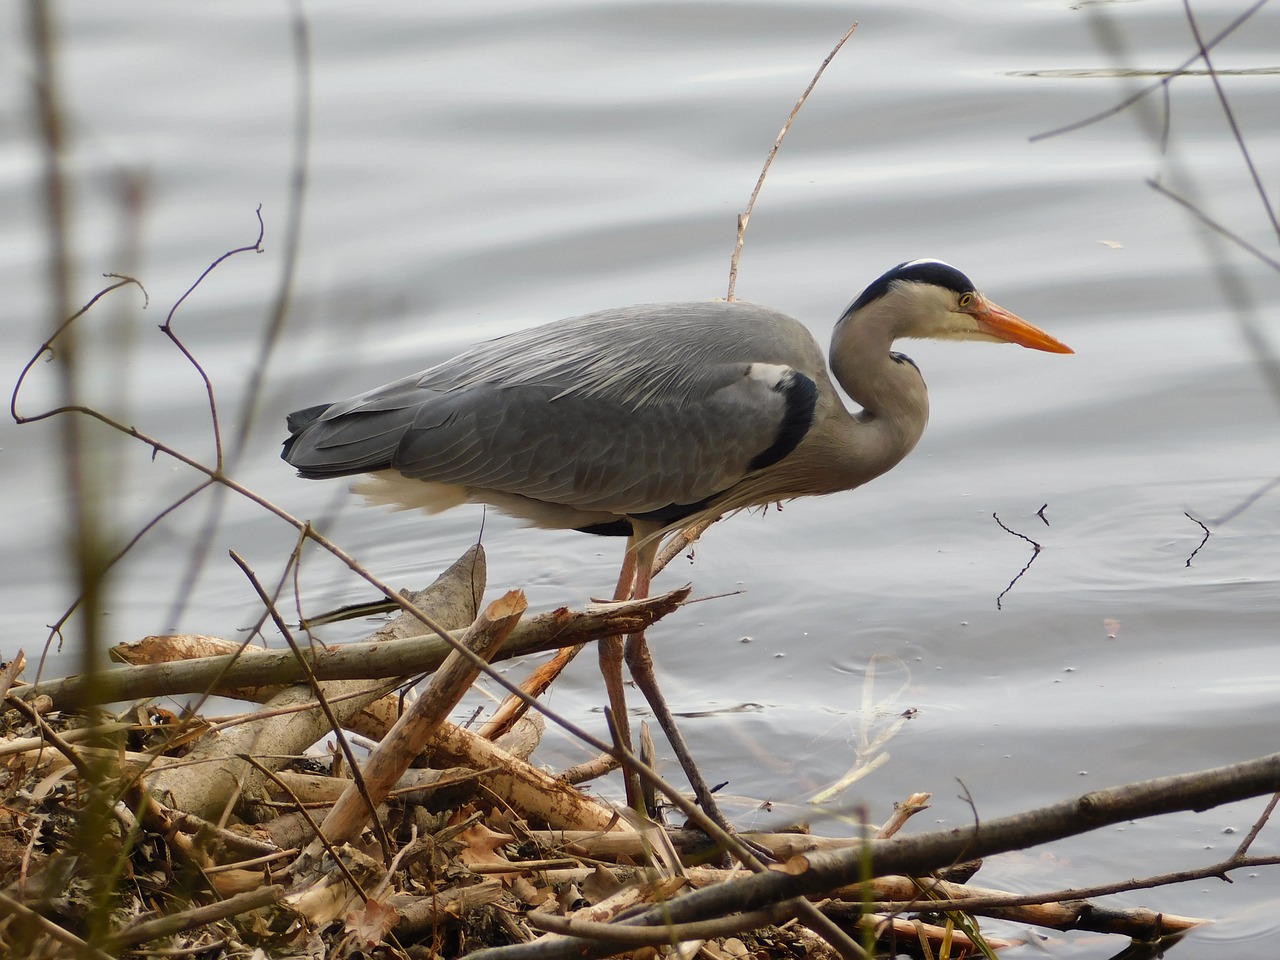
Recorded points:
(477,169)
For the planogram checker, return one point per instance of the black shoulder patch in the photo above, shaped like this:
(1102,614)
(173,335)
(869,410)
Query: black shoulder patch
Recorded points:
(915,271)
(902,358)
(800,395)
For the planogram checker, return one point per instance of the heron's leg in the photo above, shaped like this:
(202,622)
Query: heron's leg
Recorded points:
(535,685)
(640,664)
(610,650)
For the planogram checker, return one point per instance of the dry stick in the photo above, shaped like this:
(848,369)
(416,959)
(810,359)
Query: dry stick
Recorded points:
(658,936)
(1214,225)
(357,787)
(917,855)
(902,812)
(13,745)
(1252,835)
(51,929)
(353,661)
(535,792)
(1230,117)
(1164,82)
(12,671)
(773,152)
(52,736)
(597,766)
(991,900)
(1064,909)
(679,542)
(1060,913)
(391,758)
(508,774)
(195,917)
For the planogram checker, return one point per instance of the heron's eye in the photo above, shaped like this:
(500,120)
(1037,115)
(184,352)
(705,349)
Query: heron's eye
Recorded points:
(966,299)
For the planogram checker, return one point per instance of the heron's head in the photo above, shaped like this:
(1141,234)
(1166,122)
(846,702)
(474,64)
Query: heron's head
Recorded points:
(933,300)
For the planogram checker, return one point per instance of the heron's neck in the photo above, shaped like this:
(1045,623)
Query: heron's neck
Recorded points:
(891,392)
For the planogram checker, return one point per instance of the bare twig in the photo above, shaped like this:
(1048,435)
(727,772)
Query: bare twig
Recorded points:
(1163,83)
(194,917)
(51,929)
(1229,114)
(358,787)
(1203,540)
(291,242)
(1035,552)
(745,216)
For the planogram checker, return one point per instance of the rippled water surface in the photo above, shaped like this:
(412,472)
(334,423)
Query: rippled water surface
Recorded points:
(475,168)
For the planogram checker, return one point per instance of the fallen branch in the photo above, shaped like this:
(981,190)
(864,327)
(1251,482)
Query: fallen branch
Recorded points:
(817,873)
(353,661)
(416,726)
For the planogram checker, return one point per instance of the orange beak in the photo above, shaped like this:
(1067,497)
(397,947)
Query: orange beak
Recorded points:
(997,322)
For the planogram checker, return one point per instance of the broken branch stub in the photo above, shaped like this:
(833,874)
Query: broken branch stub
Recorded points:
(413,731)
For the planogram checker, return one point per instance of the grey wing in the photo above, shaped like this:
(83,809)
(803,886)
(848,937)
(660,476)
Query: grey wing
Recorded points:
(539,440)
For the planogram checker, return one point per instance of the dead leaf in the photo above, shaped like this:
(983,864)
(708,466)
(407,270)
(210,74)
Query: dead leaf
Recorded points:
(372,922)
(481,846)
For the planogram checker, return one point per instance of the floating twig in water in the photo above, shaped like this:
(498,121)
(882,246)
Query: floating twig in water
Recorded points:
(1203,540)
(1035,552)
(1040,514)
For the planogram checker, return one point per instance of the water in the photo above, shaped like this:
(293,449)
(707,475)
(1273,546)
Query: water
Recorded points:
(474,169)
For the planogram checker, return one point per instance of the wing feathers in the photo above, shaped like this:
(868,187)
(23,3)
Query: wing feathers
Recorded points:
(625,413)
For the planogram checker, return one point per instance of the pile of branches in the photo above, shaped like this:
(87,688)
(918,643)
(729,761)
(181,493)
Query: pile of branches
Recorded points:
(404,834)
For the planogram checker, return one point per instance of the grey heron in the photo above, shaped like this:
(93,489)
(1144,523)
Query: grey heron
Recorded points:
(645,419)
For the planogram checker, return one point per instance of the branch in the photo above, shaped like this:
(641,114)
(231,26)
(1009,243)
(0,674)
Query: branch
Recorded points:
(353,661)
(819,872)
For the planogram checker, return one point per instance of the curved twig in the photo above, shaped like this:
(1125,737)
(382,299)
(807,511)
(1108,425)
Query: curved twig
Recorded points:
(1035,552)
(745,216)
(1164,82)
(1202,542)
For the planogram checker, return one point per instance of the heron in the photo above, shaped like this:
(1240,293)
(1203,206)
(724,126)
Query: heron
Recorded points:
(643,420)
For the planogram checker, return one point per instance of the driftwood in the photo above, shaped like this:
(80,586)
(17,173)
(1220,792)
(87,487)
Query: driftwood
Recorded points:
(414,729)
(538,795)
(219,769)
(229,673)
(818,873)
